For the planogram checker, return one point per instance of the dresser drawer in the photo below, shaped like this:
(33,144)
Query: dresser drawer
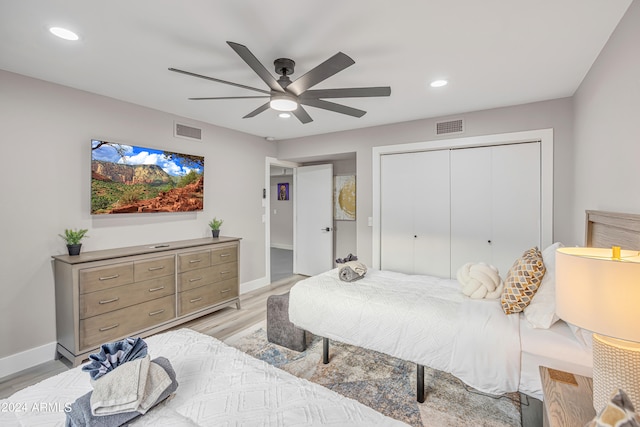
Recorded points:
(194,260)
(218,256)
(204,296)
(225,271)
(96,303)
(152,268)
(196,278)
(113,325)
(98,278)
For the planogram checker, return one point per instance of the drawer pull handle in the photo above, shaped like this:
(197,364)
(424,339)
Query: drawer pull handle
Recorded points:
(107,301)
(225,291)
(194,261)
(225,272)
(156,289)
(195,279)
(156,268)
(195,300)
(224,255)
(153,313)
(115,276)
(109,327)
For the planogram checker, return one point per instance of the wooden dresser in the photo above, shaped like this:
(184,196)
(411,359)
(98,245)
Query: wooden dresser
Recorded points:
(104,296)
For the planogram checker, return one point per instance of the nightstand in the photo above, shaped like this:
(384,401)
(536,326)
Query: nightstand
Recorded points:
(568,398)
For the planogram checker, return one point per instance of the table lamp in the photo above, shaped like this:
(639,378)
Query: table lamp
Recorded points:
(599,290)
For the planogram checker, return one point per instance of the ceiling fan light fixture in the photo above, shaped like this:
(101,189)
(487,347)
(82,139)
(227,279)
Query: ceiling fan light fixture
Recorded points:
(63,33)
(283,102)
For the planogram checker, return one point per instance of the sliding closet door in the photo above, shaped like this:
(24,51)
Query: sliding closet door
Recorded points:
(516,202)
(495,204)
(414,213)
(471,206)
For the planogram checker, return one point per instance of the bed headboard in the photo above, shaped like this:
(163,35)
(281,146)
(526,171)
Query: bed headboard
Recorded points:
(606,229)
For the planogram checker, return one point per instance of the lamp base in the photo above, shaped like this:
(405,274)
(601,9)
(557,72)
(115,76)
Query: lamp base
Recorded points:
(616,365)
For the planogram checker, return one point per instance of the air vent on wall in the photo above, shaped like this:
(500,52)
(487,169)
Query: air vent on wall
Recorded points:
(185,131)
(450,126)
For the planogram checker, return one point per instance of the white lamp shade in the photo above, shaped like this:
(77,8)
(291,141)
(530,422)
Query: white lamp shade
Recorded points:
(599,293)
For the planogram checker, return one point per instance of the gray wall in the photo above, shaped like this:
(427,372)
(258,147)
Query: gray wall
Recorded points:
(556,114)
(46,134)
(607,127)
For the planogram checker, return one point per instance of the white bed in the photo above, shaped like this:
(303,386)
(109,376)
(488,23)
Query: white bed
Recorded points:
(218,385)
(430,322)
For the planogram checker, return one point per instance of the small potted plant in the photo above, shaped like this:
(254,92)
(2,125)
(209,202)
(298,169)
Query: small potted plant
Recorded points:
(73,238)
(215,224)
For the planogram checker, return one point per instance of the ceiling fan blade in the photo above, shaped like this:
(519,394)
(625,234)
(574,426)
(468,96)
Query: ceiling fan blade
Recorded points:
(302,115)
(256,66)
(188,73)
(332,106)
(257,111)
(328,68)
(227,97)
(354,92)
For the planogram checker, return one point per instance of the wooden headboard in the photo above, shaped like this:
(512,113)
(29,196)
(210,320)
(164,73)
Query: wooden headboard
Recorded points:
(606,229)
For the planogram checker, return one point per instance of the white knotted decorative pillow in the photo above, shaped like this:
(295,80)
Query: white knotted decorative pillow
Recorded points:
(480,280)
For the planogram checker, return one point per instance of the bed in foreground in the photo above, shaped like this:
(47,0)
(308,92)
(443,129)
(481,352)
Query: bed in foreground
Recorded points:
(217,385)
(430,322)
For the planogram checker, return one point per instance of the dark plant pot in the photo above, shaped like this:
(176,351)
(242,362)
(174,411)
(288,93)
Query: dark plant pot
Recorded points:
(74,249)
(216,233)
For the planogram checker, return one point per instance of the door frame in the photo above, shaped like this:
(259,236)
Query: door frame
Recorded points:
(266,215)
(545,136)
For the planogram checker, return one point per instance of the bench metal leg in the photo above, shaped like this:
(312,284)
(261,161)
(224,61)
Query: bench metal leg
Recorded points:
(420,381)
(325,350)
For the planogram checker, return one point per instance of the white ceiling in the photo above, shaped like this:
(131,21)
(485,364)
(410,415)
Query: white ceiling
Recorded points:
(493,52)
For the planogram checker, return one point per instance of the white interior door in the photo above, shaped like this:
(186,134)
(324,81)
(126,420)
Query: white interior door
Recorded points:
(313,204)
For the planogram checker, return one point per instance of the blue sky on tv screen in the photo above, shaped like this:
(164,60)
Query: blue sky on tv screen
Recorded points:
(135,155)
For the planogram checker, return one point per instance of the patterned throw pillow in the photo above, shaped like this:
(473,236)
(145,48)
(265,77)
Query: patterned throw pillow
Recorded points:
(618,413)
(522,282)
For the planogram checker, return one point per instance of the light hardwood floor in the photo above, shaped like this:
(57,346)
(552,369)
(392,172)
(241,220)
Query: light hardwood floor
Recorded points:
(221,324)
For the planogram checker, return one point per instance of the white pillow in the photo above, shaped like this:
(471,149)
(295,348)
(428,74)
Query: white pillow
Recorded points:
(541,312)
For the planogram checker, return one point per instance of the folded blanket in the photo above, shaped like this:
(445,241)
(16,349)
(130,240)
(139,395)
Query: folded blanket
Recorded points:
(80,413)
(113,354)
(122,389)
(480,280)
(352,270)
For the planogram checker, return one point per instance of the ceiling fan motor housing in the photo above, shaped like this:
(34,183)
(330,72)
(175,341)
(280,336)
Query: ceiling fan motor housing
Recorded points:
(284,66)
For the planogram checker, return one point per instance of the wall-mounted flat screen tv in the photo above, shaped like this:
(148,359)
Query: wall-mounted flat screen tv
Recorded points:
(134,179)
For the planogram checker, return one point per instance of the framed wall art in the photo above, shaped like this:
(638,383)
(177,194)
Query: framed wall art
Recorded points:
(344,198)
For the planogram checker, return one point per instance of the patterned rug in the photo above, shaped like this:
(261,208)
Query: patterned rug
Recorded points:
(386,384)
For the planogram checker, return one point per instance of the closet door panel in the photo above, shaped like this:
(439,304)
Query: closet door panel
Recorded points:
(431,214)
(515,202)
(471,207)
(396,212)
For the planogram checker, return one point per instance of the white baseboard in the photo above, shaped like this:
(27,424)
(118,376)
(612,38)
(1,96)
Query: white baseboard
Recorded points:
(282,246)
(253,285)
(27,359)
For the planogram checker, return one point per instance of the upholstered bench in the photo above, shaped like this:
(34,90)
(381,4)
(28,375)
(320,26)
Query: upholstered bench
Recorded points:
(279,329)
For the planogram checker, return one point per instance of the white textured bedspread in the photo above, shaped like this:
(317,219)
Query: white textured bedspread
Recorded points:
(421,319)
(218,386)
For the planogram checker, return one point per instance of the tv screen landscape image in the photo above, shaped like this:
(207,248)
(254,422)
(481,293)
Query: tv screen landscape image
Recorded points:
(134,179)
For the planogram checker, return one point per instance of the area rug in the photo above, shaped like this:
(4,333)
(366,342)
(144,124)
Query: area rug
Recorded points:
(386,384)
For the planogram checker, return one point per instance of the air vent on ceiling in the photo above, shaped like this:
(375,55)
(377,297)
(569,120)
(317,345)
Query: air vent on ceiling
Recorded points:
(450,126)
(185,131)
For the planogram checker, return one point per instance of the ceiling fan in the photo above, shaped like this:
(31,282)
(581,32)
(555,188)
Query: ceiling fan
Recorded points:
(287,95)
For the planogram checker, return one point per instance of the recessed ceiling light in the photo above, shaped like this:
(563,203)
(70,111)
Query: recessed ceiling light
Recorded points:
(63,33)
(439,83)
(284,115)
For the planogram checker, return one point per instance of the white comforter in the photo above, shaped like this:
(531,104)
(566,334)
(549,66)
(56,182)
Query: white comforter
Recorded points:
(218,386)
(421,319)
